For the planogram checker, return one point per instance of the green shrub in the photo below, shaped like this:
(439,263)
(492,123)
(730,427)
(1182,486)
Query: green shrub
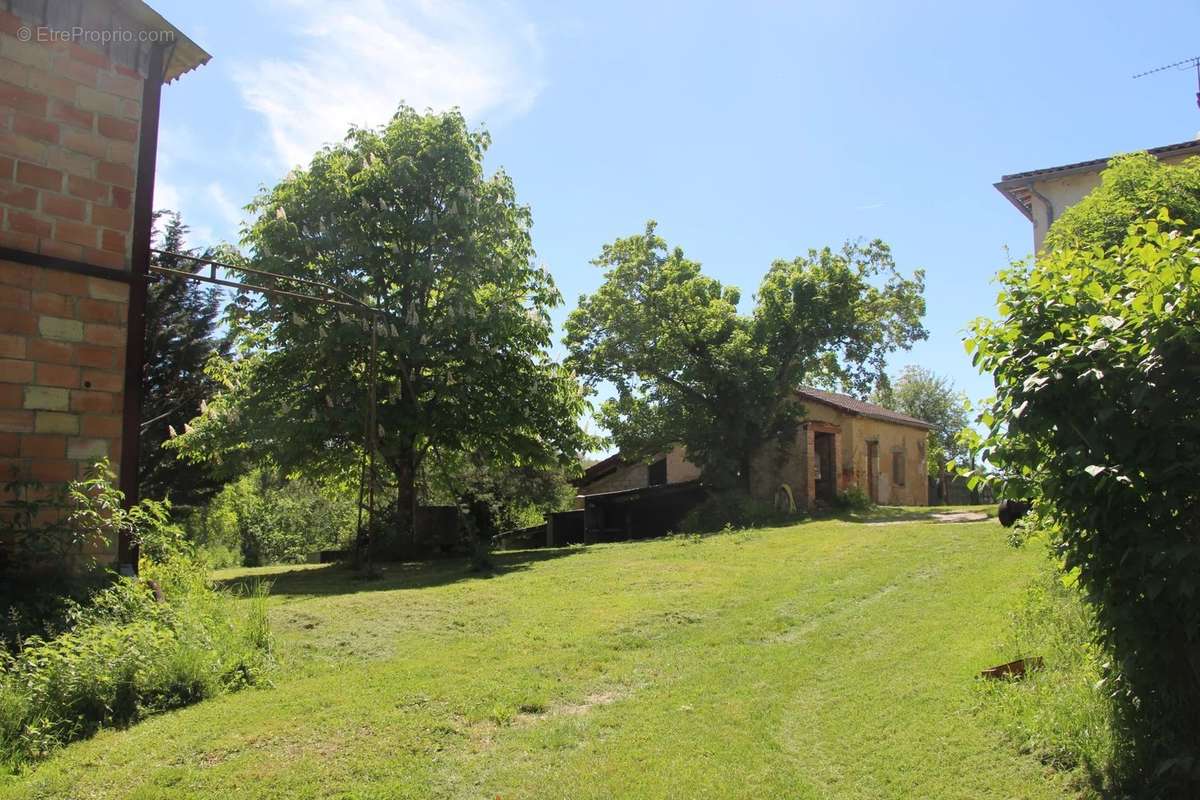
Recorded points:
(1062,713)
(853,499)
(125,656)
(54,553)
(219,556)
(1095,421)
(126,653)
(730,509)
(270,520)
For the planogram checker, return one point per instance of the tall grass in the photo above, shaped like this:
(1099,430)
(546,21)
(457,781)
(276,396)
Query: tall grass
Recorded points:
(125,655)
(1062,714)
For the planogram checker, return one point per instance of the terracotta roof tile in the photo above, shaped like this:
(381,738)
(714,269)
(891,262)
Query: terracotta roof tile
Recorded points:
(852,405)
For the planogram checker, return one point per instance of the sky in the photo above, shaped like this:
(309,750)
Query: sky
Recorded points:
(749,131)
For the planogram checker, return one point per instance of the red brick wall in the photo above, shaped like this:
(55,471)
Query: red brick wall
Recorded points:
(68,146)
(69,122)
(62,360)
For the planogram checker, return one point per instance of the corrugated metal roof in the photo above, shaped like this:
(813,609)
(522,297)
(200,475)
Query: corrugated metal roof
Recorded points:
(852,405)
(131,31)
(184,55)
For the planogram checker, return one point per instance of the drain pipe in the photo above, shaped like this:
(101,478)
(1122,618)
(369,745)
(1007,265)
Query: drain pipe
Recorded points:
(1049,211)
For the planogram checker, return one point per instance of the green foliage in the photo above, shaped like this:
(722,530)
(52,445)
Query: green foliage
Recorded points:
(402,219)
(261,518)
(122,655)
(1061,713)
(515,497)
(853,498)
(1096,421)
(97,512)
(57,531)
(125,656)
(688,368)
(1133,187)
(181,336)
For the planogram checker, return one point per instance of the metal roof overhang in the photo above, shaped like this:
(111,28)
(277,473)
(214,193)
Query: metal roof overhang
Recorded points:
(1018,187)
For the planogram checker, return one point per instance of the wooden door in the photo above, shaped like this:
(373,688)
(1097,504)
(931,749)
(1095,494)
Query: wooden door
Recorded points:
(825,485)
(873,471)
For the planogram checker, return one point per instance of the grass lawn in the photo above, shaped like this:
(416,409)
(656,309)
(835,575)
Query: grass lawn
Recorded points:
(835,658)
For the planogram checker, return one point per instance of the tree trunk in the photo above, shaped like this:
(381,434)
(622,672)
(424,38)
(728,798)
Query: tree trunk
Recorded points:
(404,468)
(945,479)
(744,467)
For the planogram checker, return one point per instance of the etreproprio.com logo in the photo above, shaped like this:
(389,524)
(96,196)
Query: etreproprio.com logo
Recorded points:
(80,35)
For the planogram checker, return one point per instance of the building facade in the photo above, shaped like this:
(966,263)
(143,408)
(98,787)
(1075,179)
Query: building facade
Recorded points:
(1043,194)
(80,83)
(841,443)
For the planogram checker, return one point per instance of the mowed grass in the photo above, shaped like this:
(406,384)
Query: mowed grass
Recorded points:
(833,658)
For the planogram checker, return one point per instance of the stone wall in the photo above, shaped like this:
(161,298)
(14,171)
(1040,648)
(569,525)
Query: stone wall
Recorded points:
(789,462)
(892,438)
(679,469)
(629,476)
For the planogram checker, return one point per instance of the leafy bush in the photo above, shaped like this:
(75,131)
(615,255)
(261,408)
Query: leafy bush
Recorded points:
(730,509)
(133,648)
(53,534)
(125,656)
(1133,187)
(853,499)
(1096,419)
(270,520)
(1062,713)
(97,512)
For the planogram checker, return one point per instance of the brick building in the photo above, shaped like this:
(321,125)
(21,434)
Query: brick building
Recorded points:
(80,82)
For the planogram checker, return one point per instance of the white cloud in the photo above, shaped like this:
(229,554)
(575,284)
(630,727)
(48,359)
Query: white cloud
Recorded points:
(166,195)
(226,208)
(358,59)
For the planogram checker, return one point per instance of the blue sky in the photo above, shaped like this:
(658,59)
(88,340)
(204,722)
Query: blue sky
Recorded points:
(750,131)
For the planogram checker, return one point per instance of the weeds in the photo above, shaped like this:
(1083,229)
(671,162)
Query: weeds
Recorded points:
(126,656)
(130,648)
(1061,714)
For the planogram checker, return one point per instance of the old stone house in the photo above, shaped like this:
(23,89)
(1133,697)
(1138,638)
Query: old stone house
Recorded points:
(80,82)
(842,442)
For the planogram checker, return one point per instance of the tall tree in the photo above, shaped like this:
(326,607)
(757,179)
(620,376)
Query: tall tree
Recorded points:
(404,220)
(921,393)
(181,336)
(688,368)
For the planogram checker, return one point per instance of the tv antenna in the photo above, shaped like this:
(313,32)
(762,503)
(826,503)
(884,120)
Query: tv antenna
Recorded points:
(1187,63)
